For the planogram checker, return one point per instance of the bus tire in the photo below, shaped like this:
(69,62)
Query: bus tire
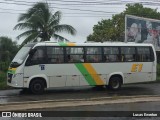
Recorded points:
(37,86)
(115,83)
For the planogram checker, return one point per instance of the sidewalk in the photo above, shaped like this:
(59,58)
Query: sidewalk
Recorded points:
(14,106)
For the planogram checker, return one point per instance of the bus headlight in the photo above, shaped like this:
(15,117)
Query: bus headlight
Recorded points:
(16,75)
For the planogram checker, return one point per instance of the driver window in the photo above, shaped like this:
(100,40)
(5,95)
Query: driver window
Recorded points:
(38,56)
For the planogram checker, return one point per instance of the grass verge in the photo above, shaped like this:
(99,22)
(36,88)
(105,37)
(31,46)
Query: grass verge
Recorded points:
(3,82)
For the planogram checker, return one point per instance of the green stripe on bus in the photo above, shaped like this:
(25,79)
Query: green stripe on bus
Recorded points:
(62,44)
(11,71)
(86,74)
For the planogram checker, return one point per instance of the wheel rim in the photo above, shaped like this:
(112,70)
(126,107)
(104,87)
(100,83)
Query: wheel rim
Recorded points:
(115,84)
(37,87)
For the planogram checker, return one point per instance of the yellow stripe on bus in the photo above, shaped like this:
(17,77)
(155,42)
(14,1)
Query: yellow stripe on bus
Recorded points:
(71,44)
(93,73)
(12,69)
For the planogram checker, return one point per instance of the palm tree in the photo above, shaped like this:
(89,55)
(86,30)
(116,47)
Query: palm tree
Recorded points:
(40,22)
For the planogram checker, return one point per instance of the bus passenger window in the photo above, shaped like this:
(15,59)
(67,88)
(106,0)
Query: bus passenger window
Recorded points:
(107,58)
(55,55)
(74,54)
(144,54)
(93,54)
(128,54)
(69,58)
(111,53)
(96,59)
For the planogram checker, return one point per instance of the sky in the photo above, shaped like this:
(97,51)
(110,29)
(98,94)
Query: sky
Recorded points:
(81,14)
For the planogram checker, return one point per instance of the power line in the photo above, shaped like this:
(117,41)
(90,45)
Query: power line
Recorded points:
(65,8)
(17,2)
(11,9)
(75,9)
(10,13)
(63,12)
(71,2)
(68,16)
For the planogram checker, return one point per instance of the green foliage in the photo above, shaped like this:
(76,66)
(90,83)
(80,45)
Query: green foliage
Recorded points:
(39,22)
(3,81)
(4,66)
(8,49)
(158,72)
(113,29)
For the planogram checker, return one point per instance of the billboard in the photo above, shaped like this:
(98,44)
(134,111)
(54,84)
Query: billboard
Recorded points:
(142,30)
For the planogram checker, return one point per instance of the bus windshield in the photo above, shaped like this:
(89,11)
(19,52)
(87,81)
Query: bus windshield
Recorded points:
(20,56)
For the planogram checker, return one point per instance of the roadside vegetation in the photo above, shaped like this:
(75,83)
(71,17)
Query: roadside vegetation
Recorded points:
(113,29)
(3,82)
(158,72)
(8,49)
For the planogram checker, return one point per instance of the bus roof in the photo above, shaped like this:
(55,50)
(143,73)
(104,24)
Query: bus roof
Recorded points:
(48,43)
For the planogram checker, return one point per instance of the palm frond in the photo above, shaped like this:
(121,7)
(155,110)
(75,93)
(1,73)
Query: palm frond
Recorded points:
(24,25)
(39,20)
(30,38)
(65,28)
(23,17)
(55,18)
(58,37)
(26,33)
(37,8)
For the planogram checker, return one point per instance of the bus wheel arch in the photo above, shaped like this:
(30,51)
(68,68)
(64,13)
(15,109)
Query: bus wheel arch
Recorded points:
(37,85)
(115,82)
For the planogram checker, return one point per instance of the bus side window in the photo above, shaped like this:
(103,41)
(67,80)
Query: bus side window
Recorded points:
(144,54)
(69,58)
(74,54)
(107,58)
(128,54)
(55,54)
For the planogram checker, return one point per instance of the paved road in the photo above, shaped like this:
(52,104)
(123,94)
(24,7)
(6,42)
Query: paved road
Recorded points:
(146,107)
(17,95)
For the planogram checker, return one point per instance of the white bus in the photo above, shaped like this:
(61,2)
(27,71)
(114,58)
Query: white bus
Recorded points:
(44,65)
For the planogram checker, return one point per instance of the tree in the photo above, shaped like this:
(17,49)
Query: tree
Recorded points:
(39,22)
(8,49)
(113,29)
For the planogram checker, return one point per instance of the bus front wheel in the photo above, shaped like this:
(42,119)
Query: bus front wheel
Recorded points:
(115,83)
(37,86)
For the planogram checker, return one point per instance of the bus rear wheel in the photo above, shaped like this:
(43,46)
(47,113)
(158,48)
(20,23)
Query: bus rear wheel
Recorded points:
(115,83)
(37,86)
